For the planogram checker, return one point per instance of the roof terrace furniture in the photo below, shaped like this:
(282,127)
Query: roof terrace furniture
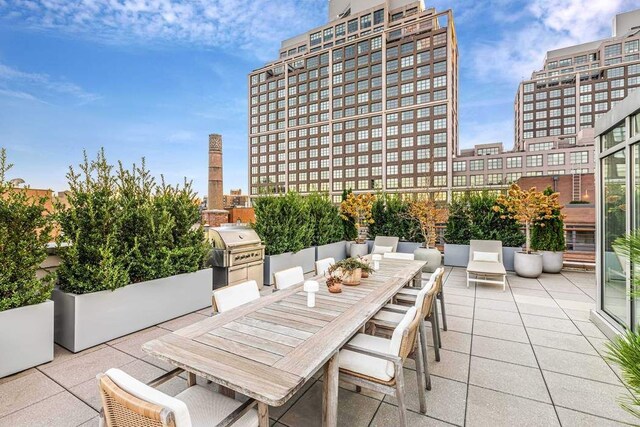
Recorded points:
(407,295)
(376,363)
(322,265)
(269,348)
(383,244)
(485,263)
(289,277)
(391,315)
(398,255)
(127,402)
(230,297)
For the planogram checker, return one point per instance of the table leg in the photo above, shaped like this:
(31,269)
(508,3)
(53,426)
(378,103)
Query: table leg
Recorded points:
(263,415)
(191,379)
(330,393)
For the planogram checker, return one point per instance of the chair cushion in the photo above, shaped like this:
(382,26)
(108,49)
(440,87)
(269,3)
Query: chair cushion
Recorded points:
(396,338)
(142,391)
(231,297)
(398,255)
(208,408)
(367,365)
(381,249)
(486,256)
(484,267)
(289,277)
(389,316)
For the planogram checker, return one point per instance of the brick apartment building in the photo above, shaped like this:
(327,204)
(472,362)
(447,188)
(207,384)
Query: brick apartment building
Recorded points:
(366,102)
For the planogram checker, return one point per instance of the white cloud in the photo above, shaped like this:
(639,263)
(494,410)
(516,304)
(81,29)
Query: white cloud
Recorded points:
(250,25)
(544,25)
(39,87)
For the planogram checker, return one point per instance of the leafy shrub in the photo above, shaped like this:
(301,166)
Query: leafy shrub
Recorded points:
(349,229)
(283,222)
(24,233)
(472,217)
(391,218)
(548,234)
(122,227)
(325,220)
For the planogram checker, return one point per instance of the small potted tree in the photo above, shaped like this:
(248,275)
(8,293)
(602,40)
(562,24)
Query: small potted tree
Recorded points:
(427,215)
(526,207)
(358,208)
(547,236)
(350,270)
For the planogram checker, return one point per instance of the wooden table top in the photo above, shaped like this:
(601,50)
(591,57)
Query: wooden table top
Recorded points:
(269,348)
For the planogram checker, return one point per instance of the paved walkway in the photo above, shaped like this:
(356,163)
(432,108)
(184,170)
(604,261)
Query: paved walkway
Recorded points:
(528,357)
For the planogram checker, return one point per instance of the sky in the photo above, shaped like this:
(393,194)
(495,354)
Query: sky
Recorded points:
(153,78)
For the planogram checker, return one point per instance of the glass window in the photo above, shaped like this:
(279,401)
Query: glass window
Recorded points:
(614,137)
(614,225)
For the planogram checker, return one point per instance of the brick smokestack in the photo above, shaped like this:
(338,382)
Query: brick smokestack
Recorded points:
(214,197)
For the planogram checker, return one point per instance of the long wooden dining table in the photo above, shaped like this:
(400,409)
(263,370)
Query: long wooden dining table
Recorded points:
(269,348)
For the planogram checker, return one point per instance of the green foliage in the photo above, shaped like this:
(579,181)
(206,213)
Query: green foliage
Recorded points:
(625,351)
(391,218)
(283,222)
(548,234)
(349,265)
(24,233)
(349,230)
(122,227)
(325,220)
(472,217)
(628,247)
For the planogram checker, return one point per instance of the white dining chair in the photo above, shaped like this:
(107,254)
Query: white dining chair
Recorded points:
(230,297)
(289,277)
(127,402)
(398,255)
(322,265)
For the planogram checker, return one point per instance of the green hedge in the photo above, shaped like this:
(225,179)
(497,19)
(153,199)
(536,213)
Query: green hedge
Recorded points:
(24,233)
(391,218)
(325,220)
(122,227)
(471,217)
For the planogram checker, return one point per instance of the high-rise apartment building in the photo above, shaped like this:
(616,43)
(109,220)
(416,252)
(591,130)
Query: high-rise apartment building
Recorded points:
(366,102)
(578,84)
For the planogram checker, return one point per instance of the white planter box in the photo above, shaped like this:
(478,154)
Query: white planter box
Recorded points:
(337,251)
(26,337)
(82,321)
(306,258)
(458,256)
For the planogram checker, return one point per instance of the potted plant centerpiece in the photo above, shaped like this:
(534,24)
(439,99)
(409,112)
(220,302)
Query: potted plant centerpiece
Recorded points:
(26,313)
(547,236)
(527,207)
(349,270)
(427,214)
(358,208)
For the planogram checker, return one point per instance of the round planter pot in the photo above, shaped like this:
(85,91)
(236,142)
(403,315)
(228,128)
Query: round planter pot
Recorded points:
(527,265)
(431,255)
(552,261)
(358,249)
(352,278)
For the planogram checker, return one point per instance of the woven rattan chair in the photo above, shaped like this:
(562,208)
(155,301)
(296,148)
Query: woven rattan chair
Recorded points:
(376,363)
(407,296)
(127,402)
(388,318)
(230,297)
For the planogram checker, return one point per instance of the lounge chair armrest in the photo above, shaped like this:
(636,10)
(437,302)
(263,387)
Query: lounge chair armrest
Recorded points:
(372,353)
(238,413)
(165,377)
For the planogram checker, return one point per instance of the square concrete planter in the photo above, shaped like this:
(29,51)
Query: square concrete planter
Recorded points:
(337,251)
(306,258)
(458,256)
(26,337)
(82,321)
(408,247)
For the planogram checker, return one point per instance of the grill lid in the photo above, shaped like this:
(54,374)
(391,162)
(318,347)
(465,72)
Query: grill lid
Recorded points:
(232,237)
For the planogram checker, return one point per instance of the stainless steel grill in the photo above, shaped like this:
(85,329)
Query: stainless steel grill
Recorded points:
(238,255)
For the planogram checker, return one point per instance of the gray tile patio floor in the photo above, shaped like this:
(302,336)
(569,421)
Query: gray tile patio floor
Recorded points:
(527,356)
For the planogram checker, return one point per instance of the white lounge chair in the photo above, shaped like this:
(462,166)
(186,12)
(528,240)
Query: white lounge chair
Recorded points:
(383,244)
(322,265)
(398,255)
(289,277)
(230,297)
(485,263)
